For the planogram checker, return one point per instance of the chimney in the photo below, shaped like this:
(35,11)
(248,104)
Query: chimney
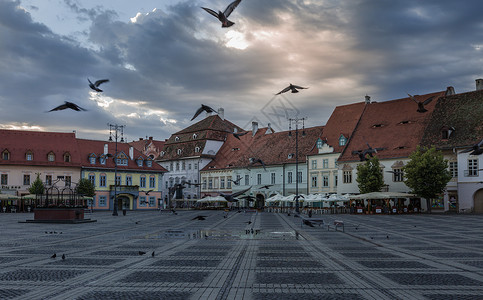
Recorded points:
(479,84)
(254,128)
(141,139)
(221,113)
(150,138)
(131,152)
(106,149)
(368,99)
(449,91)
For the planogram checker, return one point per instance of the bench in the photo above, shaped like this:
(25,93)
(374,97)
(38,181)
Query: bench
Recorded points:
(336,224)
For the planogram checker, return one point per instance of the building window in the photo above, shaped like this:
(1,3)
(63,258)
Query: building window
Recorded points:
(92,179)
(299,177)
(177,166)
(118,180)
(314,164)
(210,183)
(102,160)
(453,168)
(26,179)
(204,184)
(152,182)
(48,179)
(189,166)
(289,177)
(51,156)
(149,163)
(196,166)
(247,179)
(397,175)
(325,180)
(194,136)
(272,178)
(222,183)
(4,180)
(151,201)
(320,143)
(342,140)
(314,181)
(102,200)
(142,182)
(259,178)
(325,163)
(5,155)
(66,157)
(472,167)
(140,162)
(142,201)
(197,149)
(335,180)
(92,159)
(178,151)
(128,180)
(29,155)
(176,139)
(228,182)
(347,176)
(68,180)
(102,180)
(183,166)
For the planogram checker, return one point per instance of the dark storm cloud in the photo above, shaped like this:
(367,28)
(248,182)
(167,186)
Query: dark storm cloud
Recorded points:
(164,64)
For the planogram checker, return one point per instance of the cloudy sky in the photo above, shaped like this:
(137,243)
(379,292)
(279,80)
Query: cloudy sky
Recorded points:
(165,58)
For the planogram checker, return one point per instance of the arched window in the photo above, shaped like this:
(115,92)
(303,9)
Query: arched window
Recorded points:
(51,156)
(178,151)
(67,157)
(176,139)
(342,140)
(197,149)
(29,155)
(5,155)
(195,136)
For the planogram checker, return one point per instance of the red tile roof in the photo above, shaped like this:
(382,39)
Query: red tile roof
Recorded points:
(211,128)
(462,112)
(88,147)
(394,125)
(18,142)
(148,147)
(272,148)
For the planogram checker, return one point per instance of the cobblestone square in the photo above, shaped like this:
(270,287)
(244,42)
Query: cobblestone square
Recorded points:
(377,257)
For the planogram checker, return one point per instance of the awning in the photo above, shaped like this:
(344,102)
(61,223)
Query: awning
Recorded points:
(382,195)
(8,197)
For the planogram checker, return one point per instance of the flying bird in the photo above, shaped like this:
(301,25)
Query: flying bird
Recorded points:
(266,186)
(95,85)
(69,105)
(231,197)
(298,197)
(201,218)
(54,256)
(236,182)
(363,153)
(248,198)
(249,222)
(476,149)
(223,16)
(292,87)
(147,193)
(421,104)
(152,254)
(239,134)
(141,252)
(189,183)
(257,160)
(201,109)
(63,256)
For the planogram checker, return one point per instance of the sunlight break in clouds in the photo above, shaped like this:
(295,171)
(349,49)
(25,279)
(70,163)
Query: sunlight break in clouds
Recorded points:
(236,40)
(22,126)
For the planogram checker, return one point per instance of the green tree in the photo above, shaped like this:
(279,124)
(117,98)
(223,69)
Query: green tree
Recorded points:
(369,176)
(86,188)
(37,187)
(426,174)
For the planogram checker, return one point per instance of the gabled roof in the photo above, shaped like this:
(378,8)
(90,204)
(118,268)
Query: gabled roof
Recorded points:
(273,149)
(87,147)
(18,142)
(212,128)
(148,146)
(394,125)
(461,112)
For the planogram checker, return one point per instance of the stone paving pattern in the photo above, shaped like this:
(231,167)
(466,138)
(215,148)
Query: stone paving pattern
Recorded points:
(377,257)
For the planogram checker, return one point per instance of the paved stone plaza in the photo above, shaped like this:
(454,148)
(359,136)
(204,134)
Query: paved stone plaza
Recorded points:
(377,257)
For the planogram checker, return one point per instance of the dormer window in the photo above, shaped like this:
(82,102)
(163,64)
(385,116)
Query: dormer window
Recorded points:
(102,160)
(29,155)
(67,157)
(140,162)
(178,151)
(235,149)
(290,155)
(320,143)
(163,153)
(197,149)
(342,140)
(5,155)
(195,136)
(377,125)
(122,160)
(446,132)
(405,122)
(149,163)
(51,156)
(92,159)
(176,139)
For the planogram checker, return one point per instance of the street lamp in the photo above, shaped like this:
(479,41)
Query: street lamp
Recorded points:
(296,121)
(118,132)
